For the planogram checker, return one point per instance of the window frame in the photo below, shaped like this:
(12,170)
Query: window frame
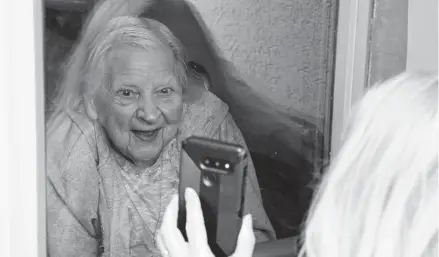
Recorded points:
(351,65)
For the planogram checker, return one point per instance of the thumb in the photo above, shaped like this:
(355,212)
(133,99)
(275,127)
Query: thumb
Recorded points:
(246,239)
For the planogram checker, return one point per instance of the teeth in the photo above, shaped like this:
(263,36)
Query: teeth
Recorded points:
(150,133)
(146,133)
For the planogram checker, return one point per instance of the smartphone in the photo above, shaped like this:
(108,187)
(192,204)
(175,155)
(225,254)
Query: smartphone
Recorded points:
(217,171)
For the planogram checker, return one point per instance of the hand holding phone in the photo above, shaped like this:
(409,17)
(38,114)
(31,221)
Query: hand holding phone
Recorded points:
(217,172)
(172,244)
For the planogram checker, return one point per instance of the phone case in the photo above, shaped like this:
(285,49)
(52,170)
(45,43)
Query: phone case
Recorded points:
(221,191)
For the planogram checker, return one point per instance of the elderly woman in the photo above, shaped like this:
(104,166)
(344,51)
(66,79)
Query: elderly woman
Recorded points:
(113,139)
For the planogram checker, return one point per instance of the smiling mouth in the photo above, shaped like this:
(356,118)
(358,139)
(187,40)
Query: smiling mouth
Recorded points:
(146,135)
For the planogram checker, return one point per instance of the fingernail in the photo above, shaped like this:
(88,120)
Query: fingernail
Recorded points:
(249,230)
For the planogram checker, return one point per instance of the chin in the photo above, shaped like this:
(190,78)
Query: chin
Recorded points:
(149,157)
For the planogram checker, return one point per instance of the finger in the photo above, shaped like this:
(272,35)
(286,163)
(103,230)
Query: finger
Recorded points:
(195,227)
(171,213)
(171,246)
(169,234)
(163,250)
(246,239)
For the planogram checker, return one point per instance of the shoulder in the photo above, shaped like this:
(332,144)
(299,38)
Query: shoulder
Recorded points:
(204,115)
(72,135)
(71,165)
(208,102)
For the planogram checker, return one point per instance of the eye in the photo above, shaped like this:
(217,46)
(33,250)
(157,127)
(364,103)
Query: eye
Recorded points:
(126,92)
(197,67)
(166,91)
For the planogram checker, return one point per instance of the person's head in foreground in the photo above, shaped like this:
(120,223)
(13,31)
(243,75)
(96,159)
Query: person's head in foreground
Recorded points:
(380,196)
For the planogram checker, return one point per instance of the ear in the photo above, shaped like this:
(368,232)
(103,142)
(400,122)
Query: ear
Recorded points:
(90,108)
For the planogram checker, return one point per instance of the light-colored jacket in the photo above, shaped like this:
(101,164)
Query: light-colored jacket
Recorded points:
(89,182)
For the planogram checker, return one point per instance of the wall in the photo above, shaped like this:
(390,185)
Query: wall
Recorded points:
(282,48)
(422,45)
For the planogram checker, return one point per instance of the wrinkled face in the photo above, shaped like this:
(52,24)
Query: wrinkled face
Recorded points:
(141,109)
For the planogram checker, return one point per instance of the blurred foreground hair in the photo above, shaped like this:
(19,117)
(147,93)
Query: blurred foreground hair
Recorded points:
(379,197)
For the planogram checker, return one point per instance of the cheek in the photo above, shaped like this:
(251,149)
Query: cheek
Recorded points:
(115,118)
(172,109)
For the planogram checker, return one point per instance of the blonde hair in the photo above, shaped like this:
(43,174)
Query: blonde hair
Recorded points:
(379,197)
(112,23)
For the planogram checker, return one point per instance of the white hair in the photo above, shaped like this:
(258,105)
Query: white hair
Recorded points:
(379,197)
(112,23)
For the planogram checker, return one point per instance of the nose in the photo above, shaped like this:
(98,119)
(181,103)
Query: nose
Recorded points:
(148,112)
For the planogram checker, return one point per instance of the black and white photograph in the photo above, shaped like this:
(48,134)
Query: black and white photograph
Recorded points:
(221,128)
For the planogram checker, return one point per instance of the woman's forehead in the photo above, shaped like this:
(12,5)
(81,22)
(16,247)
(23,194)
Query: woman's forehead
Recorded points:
(136,61)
